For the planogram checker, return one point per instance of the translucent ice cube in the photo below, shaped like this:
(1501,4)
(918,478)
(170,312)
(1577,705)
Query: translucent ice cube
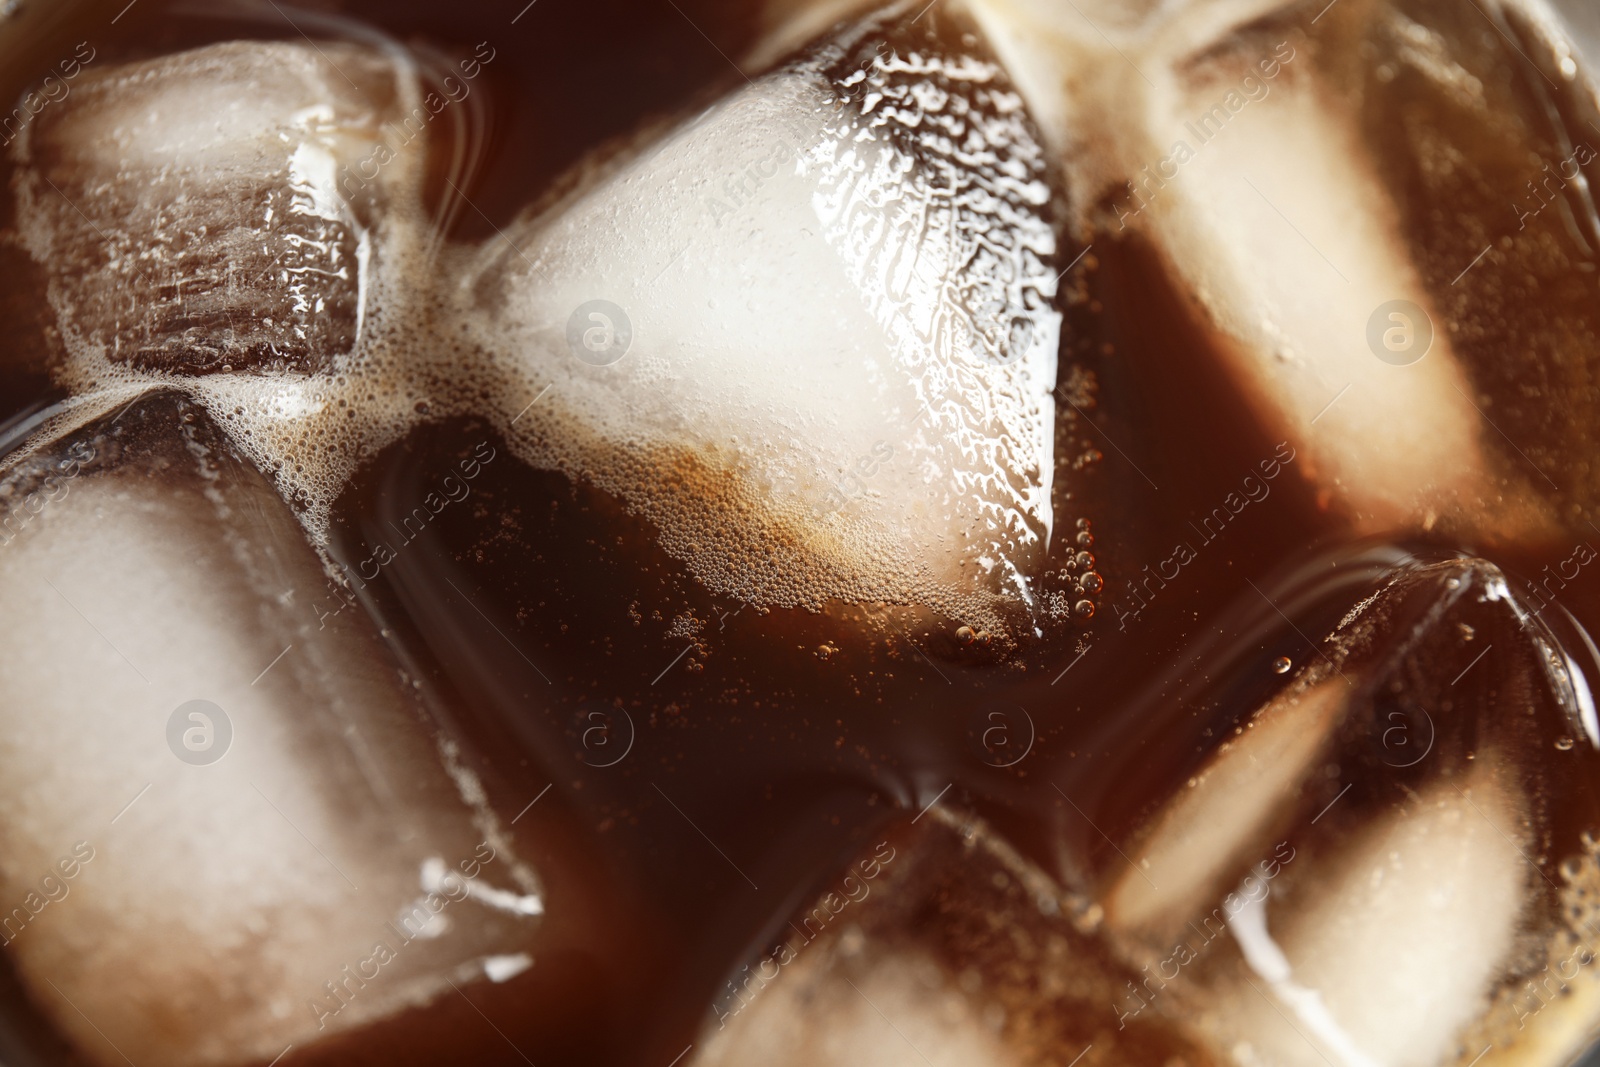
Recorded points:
(227,828)
(1366,209)
(213,209)
(1368,869)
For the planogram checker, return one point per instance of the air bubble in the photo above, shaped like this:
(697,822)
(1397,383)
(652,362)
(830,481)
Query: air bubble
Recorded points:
(1281,665)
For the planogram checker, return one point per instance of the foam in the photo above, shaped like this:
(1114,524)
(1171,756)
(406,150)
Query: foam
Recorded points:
(840,381)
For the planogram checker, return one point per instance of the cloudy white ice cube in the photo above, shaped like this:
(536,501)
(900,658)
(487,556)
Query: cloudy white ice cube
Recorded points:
(839,286)
(235,900)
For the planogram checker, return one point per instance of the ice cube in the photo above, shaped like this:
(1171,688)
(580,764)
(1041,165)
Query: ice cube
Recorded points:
(1368,869)
(1291,170)
(228,826)
(215,208)
(940,944)
(824,306)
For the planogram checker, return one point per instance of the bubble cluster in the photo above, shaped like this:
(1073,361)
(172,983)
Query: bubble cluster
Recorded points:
(689,392)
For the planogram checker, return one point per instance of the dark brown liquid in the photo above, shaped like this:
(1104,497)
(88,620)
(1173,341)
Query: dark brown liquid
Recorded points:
(712,765)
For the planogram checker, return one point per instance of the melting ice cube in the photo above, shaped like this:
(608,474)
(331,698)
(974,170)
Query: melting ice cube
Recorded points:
(836,294)
(1378,864)
(940,944)
(212,209)
(227,828)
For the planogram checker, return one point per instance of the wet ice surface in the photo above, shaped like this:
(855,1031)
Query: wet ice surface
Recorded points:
(868,227)
(198,240)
